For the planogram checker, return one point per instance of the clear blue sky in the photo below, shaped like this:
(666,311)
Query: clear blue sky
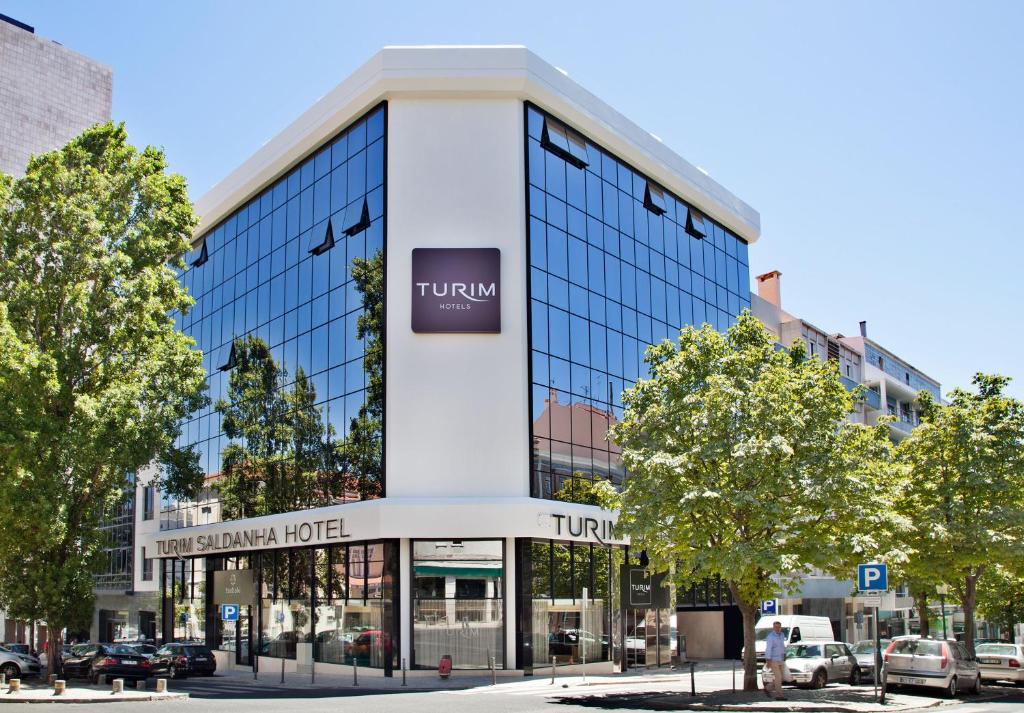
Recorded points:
(881,142)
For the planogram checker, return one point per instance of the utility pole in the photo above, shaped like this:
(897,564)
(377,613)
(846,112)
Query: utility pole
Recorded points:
(942,590)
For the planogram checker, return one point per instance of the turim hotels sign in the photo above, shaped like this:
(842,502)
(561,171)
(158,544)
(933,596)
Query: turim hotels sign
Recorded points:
(456,290)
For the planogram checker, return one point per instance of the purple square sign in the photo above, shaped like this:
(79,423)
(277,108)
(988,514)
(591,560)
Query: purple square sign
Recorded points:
(456,290)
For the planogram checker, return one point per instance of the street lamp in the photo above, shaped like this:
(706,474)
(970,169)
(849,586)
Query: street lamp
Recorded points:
(942,590)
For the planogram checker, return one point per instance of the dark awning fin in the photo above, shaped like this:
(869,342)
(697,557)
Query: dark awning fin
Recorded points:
(203,256)
(654,199)
(564,142)
(357,218)
(326,243)
(695,224)
(231,362)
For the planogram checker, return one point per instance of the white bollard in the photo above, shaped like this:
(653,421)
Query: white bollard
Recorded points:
(161,685)
(118,685)
(59,687)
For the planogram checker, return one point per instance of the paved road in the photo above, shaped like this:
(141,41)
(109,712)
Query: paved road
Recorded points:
(236,694)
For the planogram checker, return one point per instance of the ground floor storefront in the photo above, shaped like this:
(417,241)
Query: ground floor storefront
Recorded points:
(515,603)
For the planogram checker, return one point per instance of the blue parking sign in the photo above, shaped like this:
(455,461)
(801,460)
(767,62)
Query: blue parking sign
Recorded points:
(770,606)
(229,612)
(873,577)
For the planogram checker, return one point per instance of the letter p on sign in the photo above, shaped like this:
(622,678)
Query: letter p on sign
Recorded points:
(872,577)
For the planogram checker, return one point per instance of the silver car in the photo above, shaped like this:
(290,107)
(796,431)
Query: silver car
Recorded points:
(14,665)
(815,665)
(1001,662)
(864,651)
(914,661)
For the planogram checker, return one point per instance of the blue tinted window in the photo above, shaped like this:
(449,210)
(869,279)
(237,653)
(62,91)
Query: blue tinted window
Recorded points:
(262,283)
(608,277)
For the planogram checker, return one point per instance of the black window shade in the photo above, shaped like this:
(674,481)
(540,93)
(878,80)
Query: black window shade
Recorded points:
(231,362)
(357,218)
(565,143)
(326,243)
(204,255)
(654,199)
(695,224)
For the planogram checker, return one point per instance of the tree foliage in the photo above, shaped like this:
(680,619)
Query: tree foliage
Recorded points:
(283,455)
(965,490)
(741,465)
(1001,599)
(94,378)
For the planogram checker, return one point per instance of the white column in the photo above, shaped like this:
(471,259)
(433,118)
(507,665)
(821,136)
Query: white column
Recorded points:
(405,599)
(510,602)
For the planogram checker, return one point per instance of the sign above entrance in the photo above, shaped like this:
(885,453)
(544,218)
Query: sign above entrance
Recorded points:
(223,538)
(456,290)
(234,587)
(642,590)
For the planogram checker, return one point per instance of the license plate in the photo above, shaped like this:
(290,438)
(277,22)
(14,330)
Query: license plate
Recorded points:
(989,661)
(128,663)
(200,658)
(912,681)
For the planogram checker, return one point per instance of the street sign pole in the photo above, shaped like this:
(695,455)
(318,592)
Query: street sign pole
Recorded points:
(878,662)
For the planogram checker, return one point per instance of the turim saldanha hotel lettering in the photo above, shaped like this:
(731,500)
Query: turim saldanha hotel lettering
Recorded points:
(316,531)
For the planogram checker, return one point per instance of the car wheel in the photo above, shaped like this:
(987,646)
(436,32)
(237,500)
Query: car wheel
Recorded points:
(951,689)
(976,689)
(820,679)
(10,670)
(854,675)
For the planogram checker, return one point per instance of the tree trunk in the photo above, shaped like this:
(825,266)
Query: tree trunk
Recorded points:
(749,612)
(54,650)
(923,614)
(968,602)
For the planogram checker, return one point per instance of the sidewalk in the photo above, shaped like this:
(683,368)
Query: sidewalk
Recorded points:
(40,692)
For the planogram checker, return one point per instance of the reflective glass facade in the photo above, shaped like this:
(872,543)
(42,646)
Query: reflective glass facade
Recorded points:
(292,283)
(613,269)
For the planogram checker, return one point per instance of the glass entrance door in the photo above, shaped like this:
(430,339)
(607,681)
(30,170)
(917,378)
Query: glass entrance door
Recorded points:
(243,638)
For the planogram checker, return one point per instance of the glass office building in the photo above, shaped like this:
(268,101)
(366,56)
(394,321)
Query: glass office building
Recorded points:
(418,308)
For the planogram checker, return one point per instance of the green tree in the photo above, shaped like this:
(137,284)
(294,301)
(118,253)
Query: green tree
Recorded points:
(1001,599)
(94,378)
(740,465)
(965,490)
(363,449)
(281,457)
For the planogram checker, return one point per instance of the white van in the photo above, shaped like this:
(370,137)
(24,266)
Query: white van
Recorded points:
(805,629)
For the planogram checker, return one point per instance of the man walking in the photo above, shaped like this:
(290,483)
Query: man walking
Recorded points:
(775,657)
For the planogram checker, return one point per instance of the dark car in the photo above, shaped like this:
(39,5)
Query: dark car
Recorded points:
(179,660)
(146,650)
(102,662)
(574,643)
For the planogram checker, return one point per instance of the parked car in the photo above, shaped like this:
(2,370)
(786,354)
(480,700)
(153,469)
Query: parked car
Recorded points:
(815,665)
(795,628)
(864,651)
(23,649)
(14,665)
(179,660)
(568,642)
(1001,662)
(145,649)
(101,662)
(916,661)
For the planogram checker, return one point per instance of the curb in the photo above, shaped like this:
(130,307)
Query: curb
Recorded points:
(6,698)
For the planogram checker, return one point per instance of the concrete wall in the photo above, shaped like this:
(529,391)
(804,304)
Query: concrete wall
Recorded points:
(704,632)
(456,179)
(48,95)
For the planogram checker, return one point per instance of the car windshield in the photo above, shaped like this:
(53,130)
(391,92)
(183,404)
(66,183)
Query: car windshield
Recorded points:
(802,651)
(196,650)
(918,647)
(996,650)
(762,634)
(119,649)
